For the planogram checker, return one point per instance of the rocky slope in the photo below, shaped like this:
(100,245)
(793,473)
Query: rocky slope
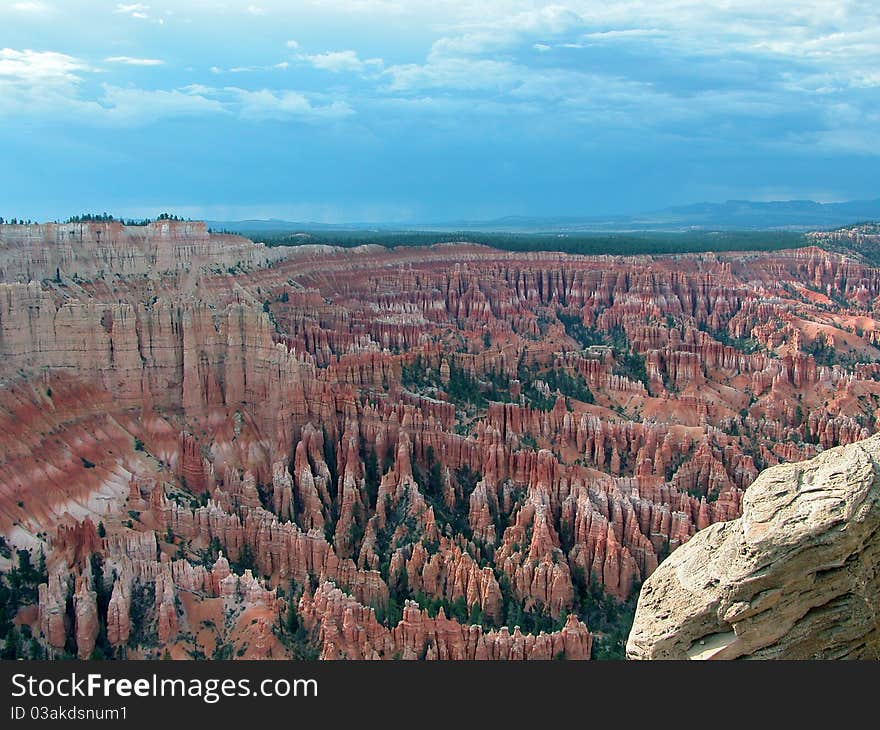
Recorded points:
(796,577)
(384,443)
(87,249)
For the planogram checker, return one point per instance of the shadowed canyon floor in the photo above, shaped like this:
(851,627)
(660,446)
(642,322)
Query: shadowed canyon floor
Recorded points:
(211,448)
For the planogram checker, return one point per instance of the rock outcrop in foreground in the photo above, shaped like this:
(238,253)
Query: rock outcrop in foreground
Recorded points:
(796,577)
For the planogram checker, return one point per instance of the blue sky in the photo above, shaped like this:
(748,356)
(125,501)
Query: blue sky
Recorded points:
(409,110)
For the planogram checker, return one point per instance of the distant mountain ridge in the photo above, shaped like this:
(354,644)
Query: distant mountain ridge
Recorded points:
(794,215)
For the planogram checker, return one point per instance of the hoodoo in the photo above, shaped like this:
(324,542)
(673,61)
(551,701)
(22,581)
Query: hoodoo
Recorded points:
(222,449)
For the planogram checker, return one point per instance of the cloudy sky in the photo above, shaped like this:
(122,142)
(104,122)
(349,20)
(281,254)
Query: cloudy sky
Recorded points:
(426,110)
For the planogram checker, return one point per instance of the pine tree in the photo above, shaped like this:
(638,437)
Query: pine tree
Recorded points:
(291,623)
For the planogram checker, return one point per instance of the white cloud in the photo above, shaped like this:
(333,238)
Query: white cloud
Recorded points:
(338,61)
(48,85)
(280,66)
(256,10)
(135,10)
(36,82)
(293,44)
(130,61)
(471,86)
(625,33)
(507,30)
(45,66)
(31,7)
(841,34)
(268,104)
(141,106)
(746,59)
(140,11)
(464,74)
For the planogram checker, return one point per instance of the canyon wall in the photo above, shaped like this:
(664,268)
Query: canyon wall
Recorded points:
(441,452)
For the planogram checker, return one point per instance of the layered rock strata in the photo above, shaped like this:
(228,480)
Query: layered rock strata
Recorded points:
(514,439)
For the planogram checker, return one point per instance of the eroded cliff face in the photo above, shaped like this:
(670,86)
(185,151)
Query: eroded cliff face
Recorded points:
(398,452)
(96,249)
(796,577)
